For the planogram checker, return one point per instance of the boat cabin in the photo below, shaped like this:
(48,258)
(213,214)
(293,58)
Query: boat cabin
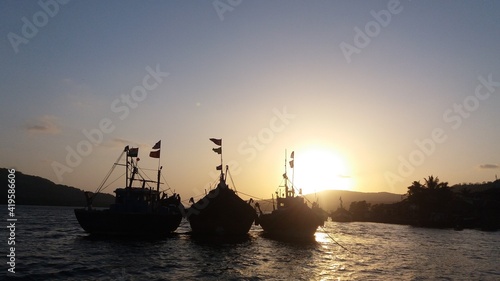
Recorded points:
(284,202)
(133,199)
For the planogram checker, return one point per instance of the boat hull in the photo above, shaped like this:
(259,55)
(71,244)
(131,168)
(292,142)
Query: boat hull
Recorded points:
(298,222)
(341,215)
(221,212)
(106,222)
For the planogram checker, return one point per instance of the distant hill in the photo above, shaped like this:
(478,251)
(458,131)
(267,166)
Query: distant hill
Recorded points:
(476,187)
(33,190)
(329,199)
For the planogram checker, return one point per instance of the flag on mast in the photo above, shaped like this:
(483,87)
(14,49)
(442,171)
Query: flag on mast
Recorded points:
(157,145)
(217,150)
(217,141)
(155,153)
(133,152)
(291,156)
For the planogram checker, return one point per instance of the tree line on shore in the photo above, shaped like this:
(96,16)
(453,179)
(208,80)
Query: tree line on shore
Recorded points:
(429,204)
(434,204)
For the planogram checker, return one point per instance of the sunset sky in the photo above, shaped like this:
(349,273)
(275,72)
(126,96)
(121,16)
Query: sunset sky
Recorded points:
(371,95)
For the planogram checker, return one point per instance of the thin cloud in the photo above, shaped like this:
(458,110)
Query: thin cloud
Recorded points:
(46,124)
(489,166)
(120,143)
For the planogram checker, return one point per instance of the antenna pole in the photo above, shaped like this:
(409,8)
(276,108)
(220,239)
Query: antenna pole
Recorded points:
(158,181)
(293,174)
(159,172)
(221,165)
(286,178)
(126,165)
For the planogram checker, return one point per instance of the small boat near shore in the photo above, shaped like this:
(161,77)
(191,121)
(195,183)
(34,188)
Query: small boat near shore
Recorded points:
(292,219)
(341,214)
(221,212)
(141,210)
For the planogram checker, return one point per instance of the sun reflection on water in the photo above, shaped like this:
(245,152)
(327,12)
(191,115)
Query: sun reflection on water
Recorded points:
(374,252)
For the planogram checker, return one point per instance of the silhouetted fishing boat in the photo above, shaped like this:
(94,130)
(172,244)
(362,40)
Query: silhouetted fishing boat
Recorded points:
(221,211)
(322,214)
(341,214)
(292,218)
(137,210)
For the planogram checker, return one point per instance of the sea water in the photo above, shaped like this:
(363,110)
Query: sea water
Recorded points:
(50,245)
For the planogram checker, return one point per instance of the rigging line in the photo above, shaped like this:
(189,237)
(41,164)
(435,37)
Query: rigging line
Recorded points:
(201,195)
(165,190)
(255,197)
(328,234)
(231,178)
(297,189)
(335,241)
(119,177)
(251,196)
(194,197)
(109,172)
(142,174)
(166,182)
(100,188)
(213,183)
(148,169)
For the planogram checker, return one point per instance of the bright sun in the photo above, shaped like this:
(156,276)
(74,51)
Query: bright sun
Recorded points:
(319,169)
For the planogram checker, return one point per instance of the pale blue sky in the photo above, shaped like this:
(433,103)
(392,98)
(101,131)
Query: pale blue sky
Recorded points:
(229,73)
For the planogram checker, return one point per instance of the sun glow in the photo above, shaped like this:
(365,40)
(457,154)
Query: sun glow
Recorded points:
(319,169)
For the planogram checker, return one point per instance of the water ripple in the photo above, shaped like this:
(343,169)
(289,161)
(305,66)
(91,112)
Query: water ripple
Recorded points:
(51,246)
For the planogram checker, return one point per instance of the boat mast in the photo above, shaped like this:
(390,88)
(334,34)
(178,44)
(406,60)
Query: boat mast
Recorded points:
(218,150)
(126,165)
(134,171)
(156,153)
(158,181)
(292,166)
(286,177)
(221,165)
(159,174)
(131,153)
